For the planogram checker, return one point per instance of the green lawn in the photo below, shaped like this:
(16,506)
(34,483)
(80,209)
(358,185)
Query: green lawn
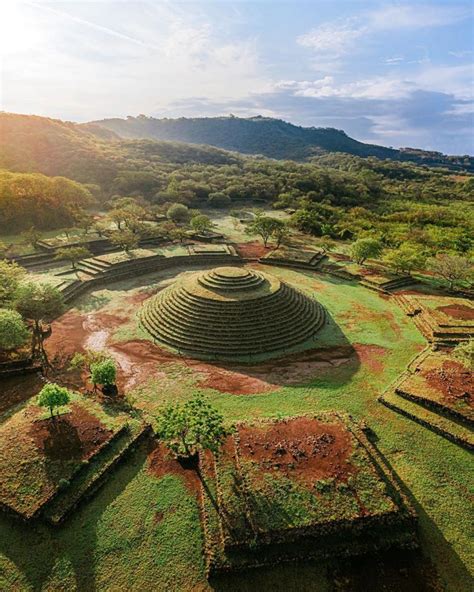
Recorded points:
(141,532)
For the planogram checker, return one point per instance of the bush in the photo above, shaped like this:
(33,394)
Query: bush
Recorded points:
(178,213)
(13,331)
(219,200)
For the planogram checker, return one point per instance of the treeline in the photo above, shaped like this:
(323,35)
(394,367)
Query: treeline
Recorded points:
(273,138)
(32,199)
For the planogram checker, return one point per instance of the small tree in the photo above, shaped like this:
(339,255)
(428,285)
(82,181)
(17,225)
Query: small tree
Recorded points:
(52,396)
(326,244)
(104,373)
(189,427)
(365,248)
(406,258)
(178,213)
(281,232)
(10,276)
(125,239)
(13,331)
(31,237)
(84,220)
(452,268)
(72,254)
(38,303)
(201,223)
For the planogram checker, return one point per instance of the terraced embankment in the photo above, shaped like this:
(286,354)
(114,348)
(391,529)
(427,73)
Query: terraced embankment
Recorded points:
(229,313)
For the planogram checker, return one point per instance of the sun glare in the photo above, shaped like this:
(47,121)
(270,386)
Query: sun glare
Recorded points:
(17,32)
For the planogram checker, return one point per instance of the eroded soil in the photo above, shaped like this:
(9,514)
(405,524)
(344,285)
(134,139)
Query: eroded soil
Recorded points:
(304,449)
(161,463)
(453,381)
(72,436)
(460,312)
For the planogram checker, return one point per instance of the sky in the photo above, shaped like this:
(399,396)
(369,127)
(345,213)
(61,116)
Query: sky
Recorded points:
(390,73)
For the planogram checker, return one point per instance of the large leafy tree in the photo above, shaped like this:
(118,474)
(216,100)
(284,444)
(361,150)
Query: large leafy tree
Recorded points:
(265,227)
(72,254)
(13,331)
(192,426)
(178,213)
(406,258)
(38,303)
(53,396)
(453,269)
(365,248)
(125,240)
(201,223)
(10,276)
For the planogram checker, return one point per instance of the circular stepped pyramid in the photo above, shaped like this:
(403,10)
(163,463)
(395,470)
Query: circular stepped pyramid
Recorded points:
(230,313)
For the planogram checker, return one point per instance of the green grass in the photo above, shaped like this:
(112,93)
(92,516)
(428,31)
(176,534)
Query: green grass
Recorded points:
(115,542)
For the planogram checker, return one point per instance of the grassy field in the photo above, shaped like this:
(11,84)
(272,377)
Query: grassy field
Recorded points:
(142,532)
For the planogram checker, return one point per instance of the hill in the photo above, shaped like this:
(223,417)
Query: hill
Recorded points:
(88,153)
(270,137)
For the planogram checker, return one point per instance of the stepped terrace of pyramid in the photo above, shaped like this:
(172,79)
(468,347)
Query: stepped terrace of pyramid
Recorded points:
(229,313)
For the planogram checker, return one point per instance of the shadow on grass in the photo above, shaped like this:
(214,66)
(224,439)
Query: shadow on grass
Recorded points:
(36,549)
(330,356)
(429,531)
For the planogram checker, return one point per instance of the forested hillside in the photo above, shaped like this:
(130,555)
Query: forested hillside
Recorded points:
(270,137)
(333,194)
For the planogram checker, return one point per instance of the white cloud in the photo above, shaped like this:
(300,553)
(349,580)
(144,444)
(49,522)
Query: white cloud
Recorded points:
(339,37)
(335,38)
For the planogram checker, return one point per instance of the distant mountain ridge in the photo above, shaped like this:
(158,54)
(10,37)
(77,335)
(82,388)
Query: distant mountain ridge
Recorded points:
(273,138)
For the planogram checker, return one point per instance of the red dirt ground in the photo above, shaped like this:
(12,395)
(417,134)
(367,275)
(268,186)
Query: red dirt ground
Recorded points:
(74,435)
(460,312)
(161,463)
(302,448)
(371,355)
(452,381)
(252,250)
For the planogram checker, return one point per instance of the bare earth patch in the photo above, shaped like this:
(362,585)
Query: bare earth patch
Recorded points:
(302,448)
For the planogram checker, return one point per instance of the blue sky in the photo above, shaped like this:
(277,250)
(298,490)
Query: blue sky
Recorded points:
(392,73)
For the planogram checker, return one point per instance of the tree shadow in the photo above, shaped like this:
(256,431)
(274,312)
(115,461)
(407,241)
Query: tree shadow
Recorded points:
(35,547)
(429,531)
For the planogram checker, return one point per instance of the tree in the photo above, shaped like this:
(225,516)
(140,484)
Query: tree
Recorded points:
(452,268)
(38,303)
(264,226)
(178,213)
(406,258)
(31,236)
(13,331)
(281,232)
(218,199)
(104,372)
(52,396)
(327,244)
(189,427)
(125,239)
(178,234)
(10,276)
(72,254)
(84,220)
(364,248)
(201,223)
